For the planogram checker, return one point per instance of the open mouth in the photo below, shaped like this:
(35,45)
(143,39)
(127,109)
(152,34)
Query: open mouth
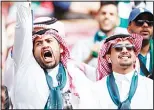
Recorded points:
(124,57)
(47,56)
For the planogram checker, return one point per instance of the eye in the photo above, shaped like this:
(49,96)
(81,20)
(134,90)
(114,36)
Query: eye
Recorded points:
(38,43)
(49,40)
(129,47)
(111,14)
(103,13)
(118,49)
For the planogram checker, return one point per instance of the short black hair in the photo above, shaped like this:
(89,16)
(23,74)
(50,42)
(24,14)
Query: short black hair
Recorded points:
(104,3)
(108,3)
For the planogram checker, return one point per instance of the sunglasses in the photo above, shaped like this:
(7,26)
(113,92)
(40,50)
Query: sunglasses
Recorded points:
(141,22)
(119,48)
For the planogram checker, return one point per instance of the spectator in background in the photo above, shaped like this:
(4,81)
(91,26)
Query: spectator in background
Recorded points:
(128,6)
(141,22)
(61,8)
(108,20)
(70,10)
(144,4)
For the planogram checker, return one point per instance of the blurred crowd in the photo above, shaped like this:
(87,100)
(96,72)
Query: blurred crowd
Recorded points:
(109,41)
(78,17)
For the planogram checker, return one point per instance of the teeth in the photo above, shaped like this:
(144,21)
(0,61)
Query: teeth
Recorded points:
(124,57)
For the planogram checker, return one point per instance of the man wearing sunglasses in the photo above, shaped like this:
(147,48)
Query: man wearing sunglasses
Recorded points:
(141,22)
(123,87)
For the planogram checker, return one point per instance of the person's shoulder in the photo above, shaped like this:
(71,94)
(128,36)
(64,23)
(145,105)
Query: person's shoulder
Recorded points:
(100,86)
(101,82)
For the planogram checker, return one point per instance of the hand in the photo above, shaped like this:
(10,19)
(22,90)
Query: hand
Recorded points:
(95,49)
(94,53)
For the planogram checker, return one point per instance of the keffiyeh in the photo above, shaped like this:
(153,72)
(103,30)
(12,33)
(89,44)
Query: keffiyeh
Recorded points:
(104,68)
(56,29)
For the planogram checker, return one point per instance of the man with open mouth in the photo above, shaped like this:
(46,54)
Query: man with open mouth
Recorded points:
(44,72)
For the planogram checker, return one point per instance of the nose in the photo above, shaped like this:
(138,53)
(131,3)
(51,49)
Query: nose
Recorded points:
(45,45)
(124,50)
(145,24)
(106,15)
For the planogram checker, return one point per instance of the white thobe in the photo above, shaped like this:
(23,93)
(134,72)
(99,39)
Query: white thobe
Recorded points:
(30,89)
(142,99)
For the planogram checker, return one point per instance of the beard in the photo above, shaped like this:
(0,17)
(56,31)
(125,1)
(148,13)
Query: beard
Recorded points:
(45,66)
(125,65)
(145,42)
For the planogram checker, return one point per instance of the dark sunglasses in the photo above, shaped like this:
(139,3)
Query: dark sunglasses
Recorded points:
(141,22)
(119,48)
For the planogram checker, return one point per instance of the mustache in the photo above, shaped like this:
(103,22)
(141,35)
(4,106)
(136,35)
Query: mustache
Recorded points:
(145,30)
(124,55)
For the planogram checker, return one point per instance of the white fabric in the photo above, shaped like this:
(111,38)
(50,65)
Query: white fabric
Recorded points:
(142,99)
(149,6)
(53,73)
(9,72)
(123,82)
(124,13)
(83,86)
(30,89)
(81,51)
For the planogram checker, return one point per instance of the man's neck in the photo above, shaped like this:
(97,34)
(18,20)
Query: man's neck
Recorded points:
(123,70)
(53,71)
(108,33)
(145,47)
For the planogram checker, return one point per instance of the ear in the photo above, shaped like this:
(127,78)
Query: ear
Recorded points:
(108,58)
(97,16)
(129,29)
(61,49)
